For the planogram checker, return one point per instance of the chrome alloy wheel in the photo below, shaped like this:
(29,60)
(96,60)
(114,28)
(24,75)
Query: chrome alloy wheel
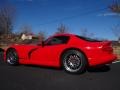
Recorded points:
(11,58)
(72,63)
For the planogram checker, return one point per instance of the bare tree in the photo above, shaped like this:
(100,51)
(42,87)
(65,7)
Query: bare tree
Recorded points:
(62,29)
(7,15)
(115,7)
(25,29)
(85,33)
(41,36)
(116,31)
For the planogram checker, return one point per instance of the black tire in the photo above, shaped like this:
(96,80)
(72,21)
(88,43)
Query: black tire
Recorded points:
(1,54)
(12,57)
(73,61)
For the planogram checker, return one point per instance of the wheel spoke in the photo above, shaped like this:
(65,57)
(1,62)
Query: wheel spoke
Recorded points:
(73,62)
(11,58)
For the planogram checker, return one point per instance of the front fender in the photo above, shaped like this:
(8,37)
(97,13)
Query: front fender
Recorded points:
(23,51)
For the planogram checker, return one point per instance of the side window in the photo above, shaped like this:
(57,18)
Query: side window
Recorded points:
(58,40)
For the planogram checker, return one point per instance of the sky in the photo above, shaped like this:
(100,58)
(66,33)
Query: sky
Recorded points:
(47,15)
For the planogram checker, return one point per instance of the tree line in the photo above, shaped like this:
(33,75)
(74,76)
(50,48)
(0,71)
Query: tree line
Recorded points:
(7,22)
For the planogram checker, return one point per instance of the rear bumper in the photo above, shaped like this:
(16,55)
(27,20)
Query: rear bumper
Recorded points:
(102,60)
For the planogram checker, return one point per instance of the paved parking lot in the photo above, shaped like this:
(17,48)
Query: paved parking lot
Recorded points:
(38,78)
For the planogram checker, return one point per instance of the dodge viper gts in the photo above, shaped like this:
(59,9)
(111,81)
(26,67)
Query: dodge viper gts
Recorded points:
(72,52)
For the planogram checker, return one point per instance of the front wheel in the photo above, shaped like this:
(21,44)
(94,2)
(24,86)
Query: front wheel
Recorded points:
(1,54)
(74,61)
(12,57)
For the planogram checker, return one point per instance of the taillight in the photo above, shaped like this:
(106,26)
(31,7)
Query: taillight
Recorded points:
(107,47)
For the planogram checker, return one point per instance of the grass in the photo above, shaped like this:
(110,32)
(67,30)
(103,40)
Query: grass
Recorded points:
(116,50)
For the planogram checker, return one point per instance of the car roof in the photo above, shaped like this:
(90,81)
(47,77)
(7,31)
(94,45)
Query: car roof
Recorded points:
(64,34)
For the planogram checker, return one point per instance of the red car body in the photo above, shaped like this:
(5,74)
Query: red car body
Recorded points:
(96,52)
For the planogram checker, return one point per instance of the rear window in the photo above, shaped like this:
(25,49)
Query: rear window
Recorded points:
(88,39)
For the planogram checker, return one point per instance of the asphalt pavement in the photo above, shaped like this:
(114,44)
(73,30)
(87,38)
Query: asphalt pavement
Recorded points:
(24,77)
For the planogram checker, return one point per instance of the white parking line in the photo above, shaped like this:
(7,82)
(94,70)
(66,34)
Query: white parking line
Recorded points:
(116,61)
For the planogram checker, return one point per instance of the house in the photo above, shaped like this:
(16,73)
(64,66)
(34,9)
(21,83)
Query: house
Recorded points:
(27,36)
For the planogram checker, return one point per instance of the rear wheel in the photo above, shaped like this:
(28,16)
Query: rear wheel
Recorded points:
(74,61)
(12,57)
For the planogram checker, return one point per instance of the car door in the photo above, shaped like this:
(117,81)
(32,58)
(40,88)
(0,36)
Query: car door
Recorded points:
(49,53)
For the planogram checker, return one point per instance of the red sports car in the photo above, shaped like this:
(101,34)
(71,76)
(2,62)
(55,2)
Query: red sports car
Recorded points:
(72,52)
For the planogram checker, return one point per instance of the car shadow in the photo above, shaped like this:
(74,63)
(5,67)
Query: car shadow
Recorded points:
(43,67)
(104,68)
